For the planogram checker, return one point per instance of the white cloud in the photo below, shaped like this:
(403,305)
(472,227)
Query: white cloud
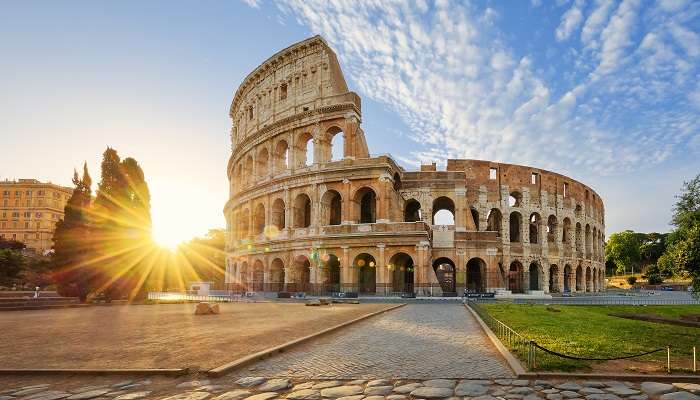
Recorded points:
(595,23)
(570,21)
(616,37)
(253,3)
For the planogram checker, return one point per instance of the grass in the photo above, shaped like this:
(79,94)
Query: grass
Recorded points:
(589,331)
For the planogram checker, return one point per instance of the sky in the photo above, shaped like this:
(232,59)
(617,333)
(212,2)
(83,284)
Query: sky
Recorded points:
(606,92)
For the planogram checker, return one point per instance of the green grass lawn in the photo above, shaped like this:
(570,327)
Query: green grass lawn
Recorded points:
(589,331)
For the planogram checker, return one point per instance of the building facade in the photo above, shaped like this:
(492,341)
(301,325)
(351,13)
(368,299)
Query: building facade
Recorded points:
(29,211)
(311,210)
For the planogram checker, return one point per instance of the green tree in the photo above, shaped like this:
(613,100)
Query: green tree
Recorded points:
(622,248)
(71,259)
(206,256)
(12,262)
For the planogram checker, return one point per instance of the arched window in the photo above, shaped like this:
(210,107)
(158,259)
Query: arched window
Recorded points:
(262,162)
(579,238)
(302,211)
(554,279)
(248,170)
(445,271)
(244,224)
(475,217)
(276,283)
(515,277)
(281,156)
(305,146)
(515,199)
(494,221)
(534,227)
(588,240)
(336,139)
(552,229)
(366,270)
(443,211)
(566,231)
(476,272)
(412,211)
(515,223)
(401,267)
(331,208)
(259,221)
(277,215)
(366,205)
(534,273)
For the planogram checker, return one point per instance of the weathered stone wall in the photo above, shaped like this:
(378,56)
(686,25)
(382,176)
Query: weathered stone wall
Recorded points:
(299,220)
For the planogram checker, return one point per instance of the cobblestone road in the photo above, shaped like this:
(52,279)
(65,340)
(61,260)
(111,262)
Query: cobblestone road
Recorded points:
(417,341)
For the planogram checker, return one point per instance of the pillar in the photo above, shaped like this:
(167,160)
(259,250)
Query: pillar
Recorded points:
(381,273)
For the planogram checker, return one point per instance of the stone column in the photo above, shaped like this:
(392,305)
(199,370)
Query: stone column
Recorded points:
(346,211)
(462,214)
(345,270)
(380,274)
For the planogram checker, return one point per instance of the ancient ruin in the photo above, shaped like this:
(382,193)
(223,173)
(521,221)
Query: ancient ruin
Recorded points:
(311,210)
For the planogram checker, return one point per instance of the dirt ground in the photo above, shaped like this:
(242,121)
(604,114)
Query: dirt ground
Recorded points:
(159,336)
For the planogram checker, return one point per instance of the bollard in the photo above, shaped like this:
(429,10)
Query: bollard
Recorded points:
(695,369)
(668,359)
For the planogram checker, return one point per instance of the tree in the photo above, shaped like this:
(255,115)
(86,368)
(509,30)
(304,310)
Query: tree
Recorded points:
(71,259)
(622,248)
(12,262)
(206,255)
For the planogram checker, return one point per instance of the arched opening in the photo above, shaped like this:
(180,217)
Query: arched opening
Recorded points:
(276,276)
(594,245)
(578,211)
(515,277)
(443,211)
(366,205)
(579,239)
(515,223)
(258,280)
(336,139)
(302,211)
(589,284)
(397,181)
(366,273)
(262,162)
(475,217)
(412,212)
(277,214)
(244,223)
(243,277)
(588,240)
(445,271)
(595,280)
(515,199)
(281,156)
(552,229)
(401,267)
(567,278)
(494,221)
(248,170)
(534,272)
(476,272)
(259,219)
(566,231)
(554,279)
(534,227)
(331,207)
(579,279)
(305,150)
(301,274)
(331,268)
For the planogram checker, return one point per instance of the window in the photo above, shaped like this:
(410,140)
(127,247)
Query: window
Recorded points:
(6,193)
(493,173)
(17,193)
(250,113)
(533,178)
(566,189)
(283,91)
(29,192)
(26,225)
(27,215)
(15,214)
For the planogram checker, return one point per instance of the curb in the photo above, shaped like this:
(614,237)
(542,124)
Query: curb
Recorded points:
(223,369)
(135,371)
(512,362)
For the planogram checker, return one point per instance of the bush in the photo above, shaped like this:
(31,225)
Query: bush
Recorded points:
(632,280)
(655,279)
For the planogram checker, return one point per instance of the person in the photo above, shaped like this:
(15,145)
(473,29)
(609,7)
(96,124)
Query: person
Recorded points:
(36,292)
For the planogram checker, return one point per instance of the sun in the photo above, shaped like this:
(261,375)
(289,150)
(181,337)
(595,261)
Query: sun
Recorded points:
(168,236)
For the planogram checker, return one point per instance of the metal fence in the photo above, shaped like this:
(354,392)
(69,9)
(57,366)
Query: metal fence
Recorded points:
(179,296)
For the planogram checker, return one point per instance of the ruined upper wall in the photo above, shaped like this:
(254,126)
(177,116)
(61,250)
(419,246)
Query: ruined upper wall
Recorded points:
(298,79)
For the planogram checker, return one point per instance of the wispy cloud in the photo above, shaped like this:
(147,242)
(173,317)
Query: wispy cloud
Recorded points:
(465,91)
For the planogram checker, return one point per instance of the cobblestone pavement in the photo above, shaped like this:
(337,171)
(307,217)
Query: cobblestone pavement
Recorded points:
(259,388)
(419,341)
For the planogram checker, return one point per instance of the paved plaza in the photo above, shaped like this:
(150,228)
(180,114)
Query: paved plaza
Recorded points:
(419,341)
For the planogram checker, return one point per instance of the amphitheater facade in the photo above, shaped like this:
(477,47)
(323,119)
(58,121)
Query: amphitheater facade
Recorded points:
(311,210)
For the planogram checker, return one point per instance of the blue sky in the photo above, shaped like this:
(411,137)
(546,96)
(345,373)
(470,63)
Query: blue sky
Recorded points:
(604,91)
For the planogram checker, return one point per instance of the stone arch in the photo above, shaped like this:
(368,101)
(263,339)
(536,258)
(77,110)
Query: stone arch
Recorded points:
(578,211)
(305,149)
(262,162)
(587,241)
(244,223)
(515,277)
(330,265)
(594,244)
(567,278)
(475,216)
(277,214)
(515,199)
(589,283)
(365,201)
(336,140)
(566,231)
(257,283)
(301,274)
(446,273)
(494,221)
(595,279)
(366,267)
(248,170)
(281,156)
(412,211)
(515,221)
(534,227)
(397,181)
(331,208)
(579,238)
(259,219)
(579,279)
(276,275)
(401,267)
(443,211)
(554,284)
(552,229)
(302,211)
(476,275)
(534,271)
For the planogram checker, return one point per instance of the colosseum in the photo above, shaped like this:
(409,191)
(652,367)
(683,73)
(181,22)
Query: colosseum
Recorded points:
(311,210)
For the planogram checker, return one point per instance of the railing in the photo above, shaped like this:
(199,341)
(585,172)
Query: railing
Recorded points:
(613,300)
(178,296)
